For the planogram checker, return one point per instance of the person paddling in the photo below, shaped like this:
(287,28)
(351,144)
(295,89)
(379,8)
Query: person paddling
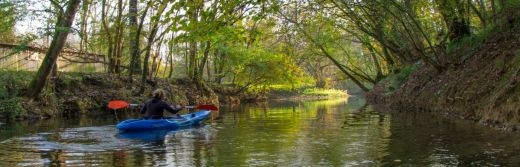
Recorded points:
(154,107)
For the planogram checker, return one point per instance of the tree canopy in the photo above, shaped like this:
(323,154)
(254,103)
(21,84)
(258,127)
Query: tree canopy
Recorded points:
(251,44)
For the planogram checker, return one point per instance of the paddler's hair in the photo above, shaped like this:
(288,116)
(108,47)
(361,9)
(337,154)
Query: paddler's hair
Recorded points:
(158,93)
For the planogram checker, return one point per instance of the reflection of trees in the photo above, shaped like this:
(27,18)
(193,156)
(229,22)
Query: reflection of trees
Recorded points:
(300,134)
(433,140)
(321,112)
(57,158)
(318,132)
(179,148)
(119,158)
(345,137)
(138,157)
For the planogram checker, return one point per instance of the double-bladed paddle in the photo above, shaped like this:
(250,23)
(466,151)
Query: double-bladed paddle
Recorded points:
(120,104)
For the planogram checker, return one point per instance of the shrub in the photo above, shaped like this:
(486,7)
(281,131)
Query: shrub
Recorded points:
(12,107)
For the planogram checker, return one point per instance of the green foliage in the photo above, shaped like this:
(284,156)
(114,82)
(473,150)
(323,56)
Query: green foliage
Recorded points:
(394,81)
(292,87)
(11,89)
(325,92)
(471,41)
(71,79)
(13,83)
(259,67)
(12,107)
(7,20)
(405,72)
(511,3)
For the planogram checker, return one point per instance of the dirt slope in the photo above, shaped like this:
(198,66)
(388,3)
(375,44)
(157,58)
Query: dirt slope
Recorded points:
(483,85)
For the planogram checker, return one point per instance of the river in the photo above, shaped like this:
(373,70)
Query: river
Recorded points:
(340,132)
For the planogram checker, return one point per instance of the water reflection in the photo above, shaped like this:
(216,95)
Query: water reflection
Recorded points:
(99,146)
(319,133)
(316,133)
(428,139)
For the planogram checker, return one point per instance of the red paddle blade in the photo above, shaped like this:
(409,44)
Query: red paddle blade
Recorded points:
(207,107)
(117,104)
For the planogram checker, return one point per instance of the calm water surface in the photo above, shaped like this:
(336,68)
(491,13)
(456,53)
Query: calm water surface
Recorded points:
(319,133)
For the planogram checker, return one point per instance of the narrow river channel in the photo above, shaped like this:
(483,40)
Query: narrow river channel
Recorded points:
(341,132)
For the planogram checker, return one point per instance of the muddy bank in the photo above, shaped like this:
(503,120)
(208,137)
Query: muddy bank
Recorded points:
(482,84)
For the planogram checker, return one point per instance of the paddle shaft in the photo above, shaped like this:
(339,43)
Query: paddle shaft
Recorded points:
(133,105)
(119,104)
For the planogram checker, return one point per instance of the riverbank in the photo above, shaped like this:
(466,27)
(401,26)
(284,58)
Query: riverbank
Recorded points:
(481,84)
(70,94)
(78,93)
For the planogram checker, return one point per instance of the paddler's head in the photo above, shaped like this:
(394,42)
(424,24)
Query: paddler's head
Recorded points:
(159,93)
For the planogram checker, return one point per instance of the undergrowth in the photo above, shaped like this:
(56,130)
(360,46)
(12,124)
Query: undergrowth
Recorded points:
(11,107)
(394,81)
(471,41)
(12,89)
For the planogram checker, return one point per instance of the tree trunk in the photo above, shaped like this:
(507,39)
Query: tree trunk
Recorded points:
(135,62)
(193,48)
(200,71)
(377,65)
(110,55)
(192,60)
(493,12)
(83,25)
(456,18)
(119,38)
(60,36)
(146,72)
(156,58)
(151,37)
(218,64)
(170,57)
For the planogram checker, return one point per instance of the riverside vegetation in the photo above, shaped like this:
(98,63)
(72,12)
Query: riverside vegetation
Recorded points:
(459,59)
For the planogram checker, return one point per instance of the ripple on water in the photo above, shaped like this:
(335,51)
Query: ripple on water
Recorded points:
(87,139)
(90,145)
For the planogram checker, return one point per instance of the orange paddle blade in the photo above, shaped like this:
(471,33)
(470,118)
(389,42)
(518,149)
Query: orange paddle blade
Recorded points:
(207,107)
(117,104)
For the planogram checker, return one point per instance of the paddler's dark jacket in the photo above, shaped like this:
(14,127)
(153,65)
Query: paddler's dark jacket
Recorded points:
(154,108)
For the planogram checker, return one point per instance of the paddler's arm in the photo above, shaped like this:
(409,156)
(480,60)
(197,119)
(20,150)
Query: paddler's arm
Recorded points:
(143,110)
(173,110)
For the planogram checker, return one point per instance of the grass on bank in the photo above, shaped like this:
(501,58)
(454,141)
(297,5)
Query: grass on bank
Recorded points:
(306,90)
(325,92)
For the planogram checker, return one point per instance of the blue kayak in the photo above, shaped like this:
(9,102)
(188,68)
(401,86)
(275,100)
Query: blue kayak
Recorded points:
(184,120)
